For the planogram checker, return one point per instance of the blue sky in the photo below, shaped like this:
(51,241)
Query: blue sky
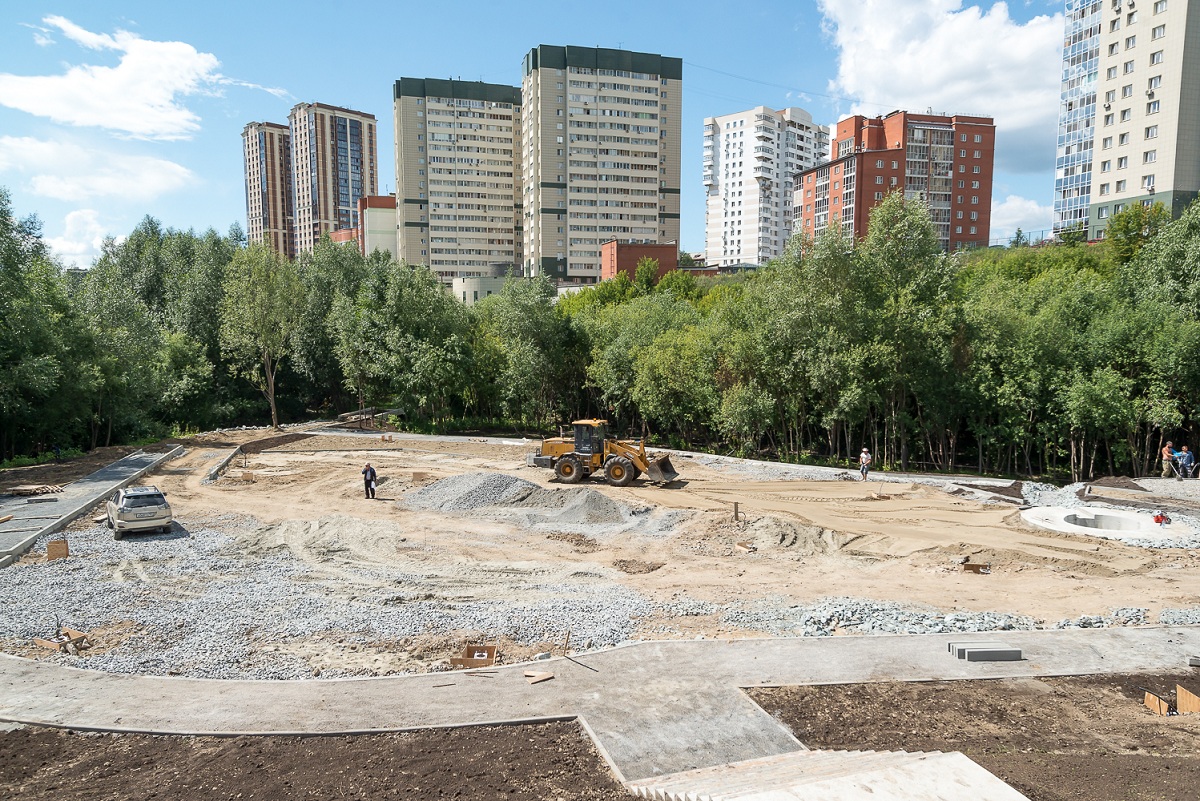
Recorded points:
(112,111)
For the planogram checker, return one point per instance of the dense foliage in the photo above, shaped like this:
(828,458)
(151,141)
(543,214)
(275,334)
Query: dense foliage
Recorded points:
(1065,360)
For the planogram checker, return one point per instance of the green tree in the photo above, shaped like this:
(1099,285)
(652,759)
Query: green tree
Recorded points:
(1131,228)
(686,260)
(645,275)
(260,310)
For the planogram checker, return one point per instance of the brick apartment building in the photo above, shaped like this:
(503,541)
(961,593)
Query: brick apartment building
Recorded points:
(945,160)
(622,257)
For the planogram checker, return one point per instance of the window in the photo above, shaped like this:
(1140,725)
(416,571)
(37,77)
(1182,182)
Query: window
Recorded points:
(1110,95)
(1128,67)
(1115,25)
(958,215)
(1149,156)
(958,229)
(1123,139)
(1108,119)
(1113,49)
(972,229)
(879,164)
(962,137)
(879,179)
(1120,186)
(1104,189)
(1131,18)
(1112,73)
(1105,166)
(1152,132)
(961,184)
(1118,207)
(978,137)
(1126,115)
(1154,83)
(1152,107)
(1156,58)
(1130,42)
(975,199)
(1106,143)
(974,215)
(1147,182)
(1103,213)
(1122,162)
(1160,6)
(962,167)
(1127,90)
(879,196)
(895,165)
(974,184)
(962,154)
(975,169)
(959,199)
(1159,32)
(978,154)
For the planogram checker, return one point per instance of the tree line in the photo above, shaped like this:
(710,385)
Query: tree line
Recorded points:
(1070,360)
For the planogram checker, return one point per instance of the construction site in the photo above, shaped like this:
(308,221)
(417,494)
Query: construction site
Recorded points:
(771,613)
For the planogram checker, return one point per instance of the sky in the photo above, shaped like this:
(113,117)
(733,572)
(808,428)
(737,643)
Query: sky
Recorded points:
(110,112)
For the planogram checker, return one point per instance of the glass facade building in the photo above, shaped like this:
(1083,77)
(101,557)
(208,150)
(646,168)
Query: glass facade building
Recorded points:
(1077,113)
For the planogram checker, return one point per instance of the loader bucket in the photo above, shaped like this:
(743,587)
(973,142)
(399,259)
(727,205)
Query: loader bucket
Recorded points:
(660,469)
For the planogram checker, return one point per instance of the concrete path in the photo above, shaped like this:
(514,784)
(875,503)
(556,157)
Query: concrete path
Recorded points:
(45,514)
(653,708)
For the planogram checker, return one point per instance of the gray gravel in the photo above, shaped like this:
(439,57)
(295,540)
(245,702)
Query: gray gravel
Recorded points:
(1180,617)
(866,616)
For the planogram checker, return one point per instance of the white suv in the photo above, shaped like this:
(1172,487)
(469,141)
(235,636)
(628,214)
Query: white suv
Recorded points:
(136,509)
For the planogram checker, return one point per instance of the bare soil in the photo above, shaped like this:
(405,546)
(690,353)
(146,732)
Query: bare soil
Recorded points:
(1053,739)
(530,763)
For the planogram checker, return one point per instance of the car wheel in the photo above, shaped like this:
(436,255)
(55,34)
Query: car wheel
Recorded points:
(118,534)
(619,471)
(166,529)
(108,522)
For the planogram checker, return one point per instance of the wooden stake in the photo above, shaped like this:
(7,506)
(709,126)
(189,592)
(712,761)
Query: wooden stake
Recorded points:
(735,511)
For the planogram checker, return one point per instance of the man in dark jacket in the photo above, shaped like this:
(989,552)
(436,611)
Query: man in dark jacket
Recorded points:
(369,477)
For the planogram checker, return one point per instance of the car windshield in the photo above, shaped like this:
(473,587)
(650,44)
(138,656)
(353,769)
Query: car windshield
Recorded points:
(142,501)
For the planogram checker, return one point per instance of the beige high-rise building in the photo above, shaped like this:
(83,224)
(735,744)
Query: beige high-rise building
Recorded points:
(333,165)
(458,175)
(1146,139)
(750,159)
(267,156)
(600,155)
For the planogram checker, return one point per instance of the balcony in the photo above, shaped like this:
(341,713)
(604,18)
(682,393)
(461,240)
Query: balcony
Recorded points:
(764,133)
(764,171)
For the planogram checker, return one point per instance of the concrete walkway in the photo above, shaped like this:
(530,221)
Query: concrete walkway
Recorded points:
(653,708)
(45,514)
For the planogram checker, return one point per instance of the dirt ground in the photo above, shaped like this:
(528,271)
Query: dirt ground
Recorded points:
(1055,739)
(889,541)
(553,761)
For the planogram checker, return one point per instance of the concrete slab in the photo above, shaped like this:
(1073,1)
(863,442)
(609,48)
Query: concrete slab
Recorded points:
(959,646)
(992,654)
(17,535)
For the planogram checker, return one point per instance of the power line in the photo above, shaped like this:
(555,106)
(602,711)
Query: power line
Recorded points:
(785,86)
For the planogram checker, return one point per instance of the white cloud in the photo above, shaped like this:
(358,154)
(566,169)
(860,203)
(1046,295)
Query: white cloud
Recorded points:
(919,54)
(70,172)
(140,97)
(1015,212)
(83,236)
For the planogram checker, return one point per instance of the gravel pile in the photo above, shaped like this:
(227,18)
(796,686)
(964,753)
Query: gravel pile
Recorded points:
(468,492)
(823,617)
(1129,616)
(1180,617)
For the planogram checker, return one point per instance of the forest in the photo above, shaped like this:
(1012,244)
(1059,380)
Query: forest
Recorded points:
(1061,361)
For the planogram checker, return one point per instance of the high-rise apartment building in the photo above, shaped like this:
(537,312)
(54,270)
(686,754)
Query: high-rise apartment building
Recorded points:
(750,160)
(458,175)
(1077,113)
(1147,124)
(944,160)
(333,164)
(267,155)
(600,155)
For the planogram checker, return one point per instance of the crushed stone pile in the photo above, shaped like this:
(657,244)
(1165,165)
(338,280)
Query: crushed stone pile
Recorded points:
(468,492)
(1126,616)
(824,617)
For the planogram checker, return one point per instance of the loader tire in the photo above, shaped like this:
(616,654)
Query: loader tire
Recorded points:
(569,470)
(619,472)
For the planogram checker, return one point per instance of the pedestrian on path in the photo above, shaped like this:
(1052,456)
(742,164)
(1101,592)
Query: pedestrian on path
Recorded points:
(369,477)
(864,463)
(1186,462)
(1168,459)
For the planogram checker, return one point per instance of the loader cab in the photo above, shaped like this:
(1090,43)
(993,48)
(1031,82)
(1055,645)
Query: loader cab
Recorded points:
(589,436)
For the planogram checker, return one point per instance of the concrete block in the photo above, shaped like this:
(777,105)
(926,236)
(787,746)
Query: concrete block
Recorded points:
(992,654)
(959,648)
(1194,661)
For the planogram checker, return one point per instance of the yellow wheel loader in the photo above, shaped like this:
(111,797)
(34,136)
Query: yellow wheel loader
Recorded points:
(593,451)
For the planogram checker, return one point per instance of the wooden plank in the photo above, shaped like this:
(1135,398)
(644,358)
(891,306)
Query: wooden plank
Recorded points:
(1157,705)
(534,677)
(57,549)
(6,518)
(1186,701)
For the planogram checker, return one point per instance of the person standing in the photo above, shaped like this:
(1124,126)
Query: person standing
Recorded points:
(864,463)
(1187,462)
(369,477)
(1168,456)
